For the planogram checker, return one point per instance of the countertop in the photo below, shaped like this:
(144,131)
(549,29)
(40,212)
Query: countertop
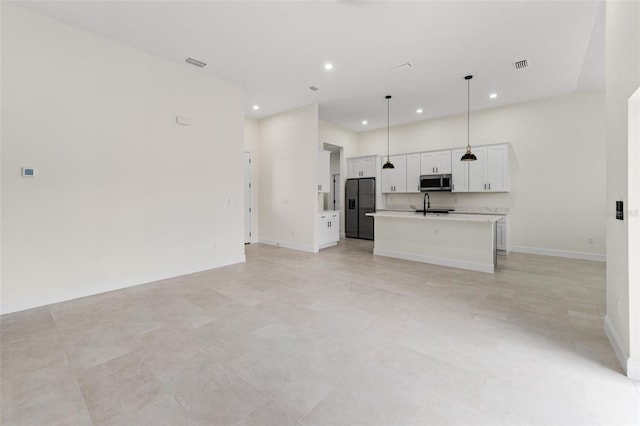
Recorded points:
(461,217)
(460,210)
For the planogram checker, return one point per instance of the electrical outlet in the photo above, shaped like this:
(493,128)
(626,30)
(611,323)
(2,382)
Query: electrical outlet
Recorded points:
(455,200)
(436,231)
(589,240)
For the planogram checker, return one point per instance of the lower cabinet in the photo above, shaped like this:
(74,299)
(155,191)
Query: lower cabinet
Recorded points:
(328,229)
(501,236)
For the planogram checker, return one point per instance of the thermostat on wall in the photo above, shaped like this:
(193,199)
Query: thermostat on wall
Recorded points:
(28,172)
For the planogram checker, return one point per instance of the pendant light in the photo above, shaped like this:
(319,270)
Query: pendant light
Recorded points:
(468,156)
(388,164)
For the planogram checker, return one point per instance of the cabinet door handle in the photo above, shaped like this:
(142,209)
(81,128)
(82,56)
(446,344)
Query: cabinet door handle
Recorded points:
(436,170)
(485,186)
(489,186)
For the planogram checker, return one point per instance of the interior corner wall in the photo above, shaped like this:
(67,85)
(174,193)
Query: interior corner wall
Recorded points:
(122,194)
(348,140)
(557,169)
(251,143)
(622,36)
(288,175)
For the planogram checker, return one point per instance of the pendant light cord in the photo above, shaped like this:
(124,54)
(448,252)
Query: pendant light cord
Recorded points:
(468,112)
(388,150)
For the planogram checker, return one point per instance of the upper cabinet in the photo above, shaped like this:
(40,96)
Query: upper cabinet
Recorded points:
(359,167)
(395,180)
(490,172)
(324,171)
(459,171)
(435,163)
(413,172)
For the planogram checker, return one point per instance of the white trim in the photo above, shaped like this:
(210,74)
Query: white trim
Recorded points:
(611,333)
(630,366)
(23,304)
(322,246)
(480,267)
(288,245)
(560,253)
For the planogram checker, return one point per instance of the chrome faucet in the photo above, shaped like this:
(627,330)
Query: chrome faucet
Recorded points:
(426,203)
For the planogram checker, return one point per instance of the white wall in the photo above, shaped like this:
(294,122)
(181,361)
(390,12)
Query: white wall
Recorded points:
(288,175)
(348,140)
(123,194)
(622,80)
(251,141)
(557,168)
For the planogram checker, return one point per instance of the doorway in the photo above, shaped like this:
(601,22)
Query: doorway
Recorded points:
(335,191)
(247,197)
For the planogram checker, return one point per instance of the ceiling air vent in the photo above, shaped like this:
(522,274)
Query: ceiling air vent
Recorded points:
(314,88)
(404,67)
(195,62)
(520,65)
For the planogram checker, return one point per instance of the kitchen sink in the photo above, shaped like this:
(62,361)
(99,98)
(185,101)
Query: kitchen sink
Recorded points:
(434,211)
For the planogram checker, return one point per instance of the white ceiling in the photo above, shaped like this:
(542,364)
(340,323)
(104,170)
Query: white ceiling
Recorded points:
(276,50)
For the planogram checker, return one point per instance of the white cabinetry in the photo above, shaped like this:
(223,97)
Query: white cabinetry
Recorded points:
(501,236)
(413,173)
(324,171)
(395,180)
(358,167)
(436,162)
(459,171)
(490,172)
(328,229)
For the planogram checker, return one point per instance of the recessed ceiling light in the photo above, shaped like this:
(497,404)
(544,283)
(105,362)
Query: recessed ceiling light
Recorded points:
(256,107)
(419,111)
(365,122)
(493,95)
(328,66)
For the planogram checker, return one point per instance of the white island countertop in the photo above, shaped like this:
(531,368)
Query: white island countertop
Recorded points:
(466,241)
(463,217)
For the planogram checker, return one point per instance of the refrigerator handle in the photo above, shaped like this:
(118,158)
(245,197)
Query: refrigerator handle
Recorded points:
(352,203)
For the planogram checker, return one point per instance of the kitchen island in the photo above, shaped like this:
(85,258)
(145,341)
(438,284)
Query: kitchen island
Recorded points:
(466,241)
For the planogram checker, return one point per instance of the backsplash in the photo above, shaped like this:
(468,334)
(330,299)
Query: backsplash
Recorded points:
(481,203)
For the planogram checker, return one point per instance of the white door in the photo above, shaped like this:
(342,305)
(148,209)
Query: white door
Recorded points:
(247,197)
(413,172)
(459,171)
(478,170)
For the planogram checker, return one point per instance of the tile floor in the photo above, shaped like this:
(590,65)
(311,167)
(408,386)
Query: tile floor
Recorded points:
(336,338)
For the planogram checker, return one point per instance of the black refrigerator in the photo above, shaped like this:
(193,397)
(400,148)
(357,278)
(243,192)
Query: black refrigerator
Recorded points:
(360,198)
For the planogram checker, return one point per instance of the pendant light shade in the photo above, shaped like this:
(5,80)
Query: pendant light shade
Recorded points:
(388,164)
(468,156)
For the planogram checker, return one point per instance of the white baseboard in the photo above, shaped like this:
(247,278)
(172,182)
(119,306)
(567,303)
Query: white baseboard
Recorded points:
(76,293)
(630,366)
(560,253)
(480,267)
(289,245)
(323,246)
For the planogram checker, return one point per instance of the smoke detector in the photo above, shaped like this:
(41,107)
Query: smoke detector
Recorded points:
(520,65)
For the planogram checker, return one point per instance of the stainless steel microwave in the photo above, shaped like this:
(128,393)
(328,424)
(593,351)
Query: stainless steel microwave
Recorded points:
(435,183)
